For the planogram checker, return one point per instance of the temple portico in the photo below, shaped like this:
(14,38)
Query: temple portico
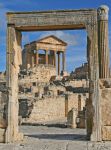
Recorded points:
(51,47)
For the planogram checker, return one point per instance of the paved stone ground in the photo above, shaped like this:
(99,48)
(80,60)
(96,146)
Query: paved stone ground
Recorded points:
(54,138)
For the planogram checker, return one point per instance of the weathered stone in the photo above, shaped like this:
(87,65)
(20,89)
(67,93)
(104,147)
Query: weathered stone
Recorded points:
(40,73)
(105,98)
(103,43)
(71,118)
(2,135)
(106,106)
(106,133)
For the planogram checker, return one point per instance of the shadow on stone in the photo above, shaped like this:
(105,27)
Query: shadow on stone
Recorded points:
(72,137)
(57,125)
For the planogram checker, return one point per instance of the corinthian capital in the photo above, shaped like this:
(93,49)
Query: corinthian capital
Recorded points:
(103,12)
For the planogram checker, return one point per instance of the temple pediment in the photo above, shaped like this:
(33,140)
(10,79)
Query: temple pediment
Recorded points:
(52,40)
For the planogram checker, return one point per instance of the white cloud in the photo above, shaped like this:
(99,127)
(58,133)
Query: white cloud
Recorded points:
(71,39)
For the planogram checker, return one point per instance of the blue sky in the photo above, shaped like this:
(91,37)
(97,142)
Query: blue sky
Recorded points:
(76,50)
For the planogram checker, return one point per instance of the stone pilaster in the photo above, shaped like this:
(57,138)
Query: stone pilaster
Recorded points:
(103,41)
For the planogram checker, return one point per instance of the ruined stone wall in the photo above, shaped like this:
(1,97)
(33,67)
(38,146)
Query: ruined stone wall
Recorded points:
(40,73)
(48,109)
(81,72)
(56,90)
(73,101)
(2,78)
(53,108)
(3,100)
(3,124)
(79,83)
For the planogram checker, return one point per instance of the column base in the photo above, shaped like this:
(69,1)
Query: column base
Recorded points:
(18,136)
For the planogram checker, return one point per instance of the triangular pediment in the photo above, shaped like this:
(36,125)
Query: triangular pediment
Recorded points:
(52,40)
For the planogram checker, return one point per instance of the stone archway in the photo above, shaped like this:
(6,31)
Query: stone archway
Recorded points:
(88,19)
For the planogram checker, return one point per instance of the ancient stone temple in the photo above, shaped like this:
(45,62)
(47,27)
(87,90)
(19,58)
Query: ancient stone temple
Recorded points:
(52,46)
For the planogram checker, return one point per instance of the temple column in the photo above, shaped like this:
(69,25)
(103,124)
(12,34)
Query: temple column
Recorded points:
(55,58)
(58,63)
(30,56)
(28,59)
(26,53)
(103,45)
(36,57)
(46,56)
(51,58)
(79,102)
(32,59)
(63,61)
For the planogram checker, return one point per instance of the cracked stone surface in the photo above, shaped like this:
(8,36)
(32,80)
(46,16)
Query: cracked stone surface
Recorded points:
(54,138)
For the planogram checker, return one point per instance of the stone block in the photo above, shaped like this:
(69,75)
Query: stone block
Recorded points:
(106,106)
(106,133)
(2,135)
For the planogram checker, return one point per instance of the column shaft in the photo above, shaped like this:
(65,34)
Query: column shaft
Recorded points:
(103,44)
(28,59)
(58,63)
(36,58)
(54,58)
(63,61)
(46,57)
(32,59)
